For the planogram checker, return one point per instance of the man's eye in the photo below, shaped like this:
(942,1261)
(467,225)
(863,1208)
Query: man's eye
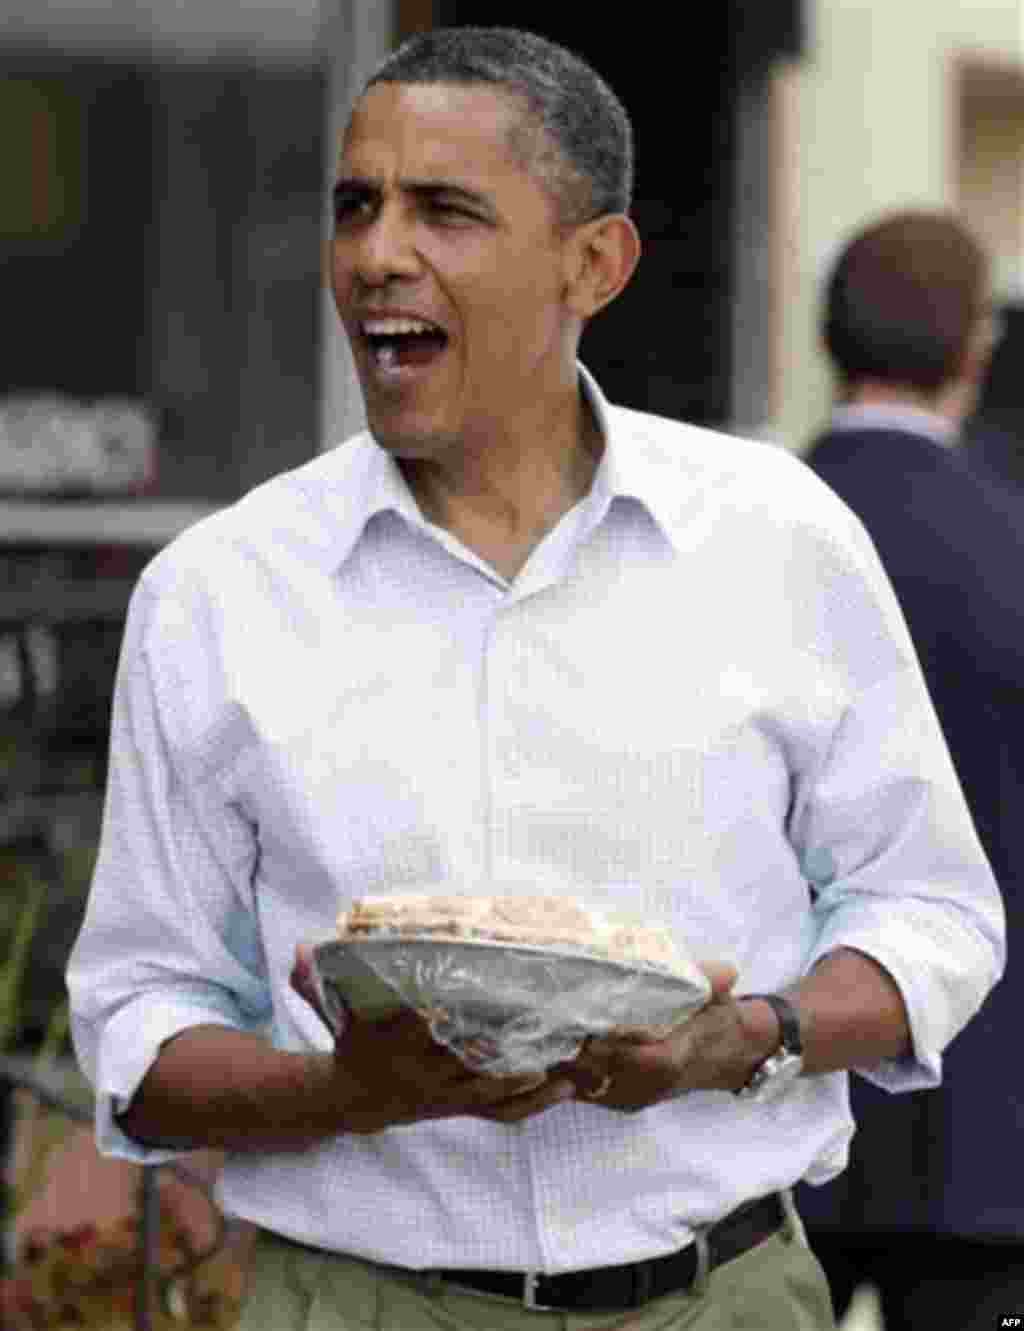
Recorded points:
(448,210)
(349,207)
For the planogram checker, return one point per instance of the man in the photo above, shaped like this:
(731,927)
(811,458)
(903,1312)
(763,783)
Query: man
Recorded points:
(993,436)
(929,1209)
(516,635)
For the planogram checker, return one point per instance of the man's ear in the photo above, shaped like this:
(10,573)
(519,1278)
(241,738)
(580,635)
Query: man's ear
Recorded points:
(981,347)
(601,257)
(960,394)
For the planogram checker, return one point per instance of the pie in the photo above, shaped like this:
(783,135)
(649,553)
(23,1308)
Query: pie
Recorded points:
(519,920)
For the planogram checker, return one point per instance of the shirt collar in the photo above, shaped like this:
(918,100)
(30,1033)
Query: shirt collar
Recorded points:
(364,480)
(894,416)
(629,470)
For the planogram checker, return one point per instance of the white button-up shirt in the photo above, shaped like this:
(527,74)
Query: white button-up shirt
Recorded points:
(697,700)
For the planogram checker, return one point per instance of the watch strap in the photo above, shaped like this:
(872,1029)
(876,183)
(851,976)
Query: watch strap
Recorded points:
(789,1021)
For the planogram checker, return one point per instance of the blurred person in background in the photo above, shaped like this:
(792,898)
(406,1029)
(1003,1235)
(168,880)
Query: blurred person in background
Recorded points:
(483,643)
(994,434)
(931,1207)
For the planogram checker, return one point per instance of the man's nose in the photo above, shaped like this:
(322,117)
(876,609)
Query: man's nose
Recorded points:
(385,249)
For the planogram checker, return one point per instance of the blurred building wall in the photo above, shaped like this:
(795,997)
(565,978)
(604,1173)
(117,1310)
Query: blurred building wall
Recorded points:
(161,233)
(229,30)
(884,112)
(356,36)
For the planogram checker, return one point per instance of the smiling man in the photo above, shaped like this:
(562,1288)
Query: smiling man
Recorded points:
(464,279)
(515,635)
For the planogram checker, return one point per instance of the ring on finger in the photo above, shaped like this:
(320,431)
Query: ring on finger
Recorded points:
(601,1090)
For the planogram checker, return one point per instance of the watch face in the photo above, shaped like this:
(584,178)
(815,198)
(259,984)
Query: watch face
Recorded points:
(773,1078)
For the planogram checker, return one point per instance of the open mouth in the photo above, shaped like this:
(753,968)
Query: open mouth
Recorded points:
(399,342)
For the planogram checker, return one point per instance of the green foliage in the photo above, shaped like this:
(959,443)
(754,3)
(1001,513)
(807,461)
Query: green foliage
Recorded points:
(52,1127)
(12,972)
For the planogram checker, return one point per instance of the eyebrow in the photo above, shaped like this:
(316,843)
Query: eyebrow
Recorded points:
(422,189)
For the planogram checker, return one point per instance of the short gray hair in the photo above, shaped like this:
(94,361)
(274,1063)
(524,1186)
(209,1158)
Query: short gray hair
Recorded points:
(583,152)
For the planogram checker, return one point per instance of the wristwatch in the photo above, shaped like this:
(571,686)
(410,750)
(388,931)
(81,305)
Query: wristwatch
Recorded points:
(777,1073)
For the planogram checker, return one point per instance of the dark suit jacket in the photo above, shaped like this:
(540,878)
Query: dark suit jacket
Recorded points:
(949,1160)
(997,449)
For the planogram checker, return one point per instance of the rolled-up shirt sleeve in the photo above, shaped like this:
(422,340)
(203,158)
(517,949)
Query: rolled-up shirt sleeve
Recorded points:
(169,940)
(887,840)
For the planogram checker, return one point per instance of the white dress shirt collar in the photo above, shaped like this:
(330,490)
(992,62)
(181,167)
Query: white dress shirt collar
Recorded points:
(368,481)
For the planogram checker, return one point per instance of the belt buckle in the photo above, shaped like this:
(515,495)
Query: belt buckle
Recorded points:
(530,1281)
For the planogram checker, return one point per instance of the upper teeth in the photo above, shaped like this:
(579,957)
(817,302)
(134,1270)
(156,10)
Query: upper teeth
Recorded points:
(390,327)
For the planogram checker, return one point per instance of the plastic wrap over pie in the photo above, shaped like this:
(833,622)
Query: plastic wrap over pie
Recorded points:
(511,983)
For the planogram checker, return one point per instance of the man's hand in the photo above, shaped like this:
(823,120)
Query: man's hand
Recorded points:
(391,1071)
(714,1050)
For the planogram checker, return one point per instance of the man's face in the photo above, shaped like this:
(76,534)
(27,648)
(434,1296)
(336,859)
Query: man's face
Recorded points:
(448,267)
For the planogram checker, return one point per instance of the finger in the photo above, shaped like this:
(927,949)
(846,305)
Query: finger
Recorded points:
(481,1093)
(597,1051)
(518,1107)
(407,1035)
(303,980)
(722,976)
(591,1083)
(588,1073)
(493,1090)
(427,1061)
(639,1034)
(302,972)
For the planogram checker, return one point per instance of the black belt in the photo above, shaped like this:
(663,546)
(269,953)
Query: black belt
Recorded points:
(616,1288)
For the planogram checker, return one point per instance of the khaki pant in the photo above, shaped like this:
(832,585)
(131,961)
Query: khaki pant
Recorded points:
(777,1286)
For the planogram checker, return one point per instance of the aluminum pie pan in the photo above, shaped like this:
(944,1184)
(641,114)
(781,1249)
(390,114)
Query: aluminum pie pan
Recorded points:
(523,1001)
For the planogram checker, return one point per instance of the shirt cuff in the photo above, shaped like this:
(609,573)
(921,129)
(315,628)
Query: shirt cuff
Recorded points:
(128,1049)
(921,1068)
